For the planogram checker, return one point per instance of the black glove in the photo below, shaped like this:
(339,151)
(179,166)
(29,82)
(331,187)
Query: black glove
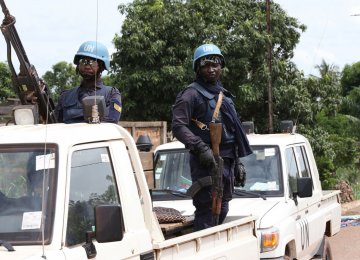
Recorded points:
(240,174)
(205,155)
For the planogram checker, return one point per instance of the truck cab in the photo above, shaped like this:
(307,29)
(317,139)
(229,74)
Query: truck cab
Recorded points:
(78,191)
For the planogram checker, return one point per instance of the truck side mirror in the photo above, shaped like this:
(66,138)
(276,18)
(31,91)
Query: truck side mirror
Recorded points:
(108,223)
(304,187)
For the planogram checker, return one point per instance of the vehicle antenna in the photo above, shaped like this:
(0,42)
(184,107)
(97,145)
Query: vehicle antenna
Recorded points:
(95,119)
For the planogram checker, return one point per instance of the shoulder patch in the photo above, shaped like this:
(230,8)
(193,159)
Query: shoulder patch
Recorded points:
(117,107)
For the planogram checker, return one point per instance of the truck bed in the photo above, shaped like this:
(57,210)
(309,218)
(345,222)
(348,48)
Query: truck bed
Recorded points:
(171,230)
(229,237)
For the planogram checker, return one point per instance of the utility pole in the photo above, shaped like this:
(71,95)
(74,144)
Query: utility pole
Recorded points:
(269,57)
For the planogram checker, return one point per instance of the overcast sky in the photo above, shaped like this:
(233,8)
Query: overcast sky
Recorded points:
(52,31)
(333,33)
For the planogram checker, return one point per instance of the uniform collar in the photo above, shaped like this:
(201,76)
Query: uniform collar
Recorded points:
(99,85)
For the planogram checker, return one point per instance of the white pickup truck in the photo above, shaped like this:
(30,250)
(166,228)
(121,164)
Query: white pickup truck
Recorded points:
(78,191)
(294,215)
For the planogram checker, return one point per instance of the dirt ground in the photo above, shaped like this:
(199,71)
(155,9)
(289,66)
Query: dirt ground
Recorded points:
(350,208)
(346,244)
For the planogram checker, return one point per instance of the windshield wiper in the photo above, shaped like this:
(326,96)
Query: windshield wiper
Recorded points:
(172,192)
(254,194)
(7,245)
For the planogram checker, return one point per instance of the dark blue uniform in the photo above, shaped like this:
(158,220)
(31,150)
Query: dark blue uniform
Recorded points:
(198,102)
(70,110)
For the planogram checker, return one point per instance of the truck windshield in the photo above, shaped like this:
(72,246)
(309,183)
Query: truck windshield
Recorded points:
(27,189)
(263,171)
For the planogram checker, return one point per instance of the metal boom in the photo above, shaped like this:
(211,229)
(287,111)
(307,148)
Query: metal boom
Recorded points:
(27,84)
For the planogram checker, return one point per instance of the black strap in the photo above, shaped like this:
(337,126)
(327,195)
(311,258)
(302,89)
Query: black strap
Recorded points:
(197,185)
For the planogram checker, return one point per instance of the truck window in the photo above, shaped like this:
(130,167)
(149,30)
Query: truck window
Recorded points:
(27,180)
(172,170)
(291,169)
(92,183)
(303,162)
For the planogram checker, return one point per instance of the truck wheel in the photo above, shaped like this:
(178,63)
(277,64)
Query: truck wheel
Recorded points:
(327,254)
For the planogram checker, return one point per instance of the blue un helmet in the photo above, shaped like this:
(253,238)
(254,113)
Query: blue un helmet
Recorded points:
(94,50)
(207,50)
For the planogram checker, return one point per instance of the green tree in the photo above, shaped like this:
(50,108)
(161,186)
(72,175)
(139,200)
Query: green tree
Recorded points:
(343,136)
(6,89)
(324,154)
(153,58)
(351,103)
(292,99)
(326,89)
(63,76)
(350,78)
(334,136)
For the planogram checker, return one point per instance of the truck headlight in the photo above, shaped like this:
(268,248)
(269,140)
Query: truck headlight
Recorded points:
(269,239)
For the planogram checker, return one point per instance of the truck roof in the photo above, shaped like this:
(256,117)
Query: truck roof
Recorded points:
(275,139)
(60,133)
(282,139)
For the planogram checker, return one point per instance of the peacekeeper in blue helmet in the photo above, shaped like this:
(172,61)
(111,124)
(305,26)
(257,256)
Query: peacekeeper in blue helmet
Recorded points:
(91,60)
(192,112)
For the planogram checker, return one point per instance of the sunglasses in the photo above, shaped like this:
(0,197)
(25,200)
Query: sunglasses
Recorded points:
(209,60)
(85,62)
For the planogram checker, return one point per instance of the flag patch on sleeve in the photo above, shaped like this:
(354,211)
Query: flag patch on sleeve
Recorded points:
(117,107)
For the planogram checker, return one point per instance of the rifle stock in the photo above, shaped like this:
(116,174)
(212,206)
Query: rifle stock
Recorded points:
(217,190)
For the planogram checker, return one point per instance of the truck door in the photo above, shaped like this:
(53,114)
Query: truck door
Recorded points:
(92,182)
(307,215)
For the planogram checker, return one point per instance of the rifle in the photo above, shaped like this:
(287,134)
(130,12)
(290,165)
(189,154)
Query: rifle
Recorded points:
(217,185)
(30,89)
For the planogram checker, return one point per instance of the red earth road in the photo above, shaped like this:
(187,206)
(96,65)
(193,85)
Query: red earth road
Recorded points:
(346,244)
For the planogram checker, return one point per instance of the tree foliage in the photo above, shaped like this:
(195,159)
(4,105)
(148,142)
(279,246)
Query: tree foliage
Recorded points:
(63,76)
(350,77)
(6,89)
(153,60)
(332,134)
(351,103)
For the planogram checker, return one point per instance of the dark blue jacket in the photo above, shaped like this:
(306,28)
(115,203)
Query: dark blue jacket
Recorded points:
(228,135)
(195,102)
(70,109)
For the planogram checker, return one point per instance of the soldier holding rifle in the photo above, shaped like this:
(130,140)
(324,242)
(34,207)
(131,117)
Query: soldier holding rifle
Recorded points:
(205,120)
